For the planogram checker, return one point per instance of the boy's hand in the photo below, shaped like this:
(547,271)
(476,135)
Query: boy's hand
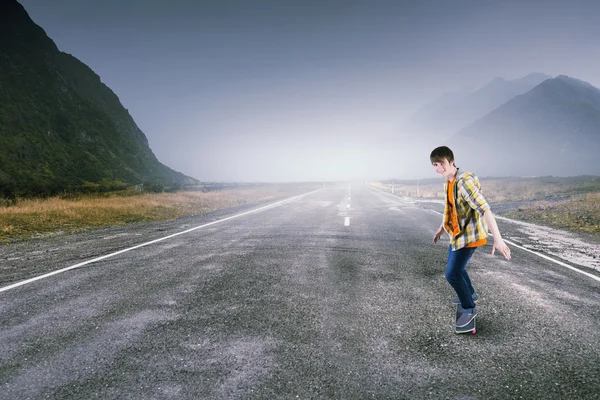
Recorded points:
(501,247)
(437,235)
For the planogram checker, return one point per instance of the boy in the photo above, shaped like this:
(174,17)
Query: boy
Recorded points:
(467,216)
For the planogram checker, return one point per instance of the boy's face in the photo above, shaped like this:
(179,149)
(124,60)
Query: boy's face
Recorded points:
(444,168)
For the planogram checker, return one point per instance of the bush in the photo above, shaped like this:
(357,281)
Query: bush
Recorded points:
(8,194)
(155,186)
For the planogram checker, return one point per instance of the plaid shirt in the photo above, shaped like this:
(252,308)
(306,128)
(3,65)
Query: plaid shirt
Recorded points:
(470,205)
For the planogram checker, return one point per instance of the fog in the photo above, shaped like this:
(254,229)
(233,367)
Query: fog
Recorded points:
(275,91)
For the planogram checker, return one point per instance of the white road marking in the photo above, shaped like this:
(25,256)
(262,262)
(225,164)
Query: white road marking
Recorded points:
(521,247)
(553,260)
(541,255)
(393,195)
(81,264)
(347,221)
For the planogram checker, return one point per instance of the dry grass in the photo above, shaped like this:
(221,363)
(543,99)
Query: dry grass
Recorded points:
(579,213)
(503,189)
(31,218)
(568,203)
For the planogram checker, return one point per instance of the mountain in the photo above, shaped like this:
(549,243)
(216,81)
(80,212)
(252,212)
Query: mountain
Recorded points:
(451,112)
(554,129)
(60,126)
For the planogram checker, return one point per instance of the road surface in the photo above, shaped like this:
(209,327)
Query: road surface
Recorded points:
(338,294)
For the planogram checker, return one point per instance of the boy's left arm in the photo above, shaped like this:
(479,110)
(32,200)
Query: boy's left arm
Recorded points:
(471,193)
(499,244)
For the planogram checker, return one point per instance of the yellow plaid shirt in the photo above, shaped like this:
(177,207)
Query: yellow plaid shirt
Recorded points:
(470,206)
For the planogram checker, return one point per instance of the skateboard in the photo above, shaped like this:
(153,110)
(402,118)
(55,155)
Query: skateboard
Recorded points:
(470,327)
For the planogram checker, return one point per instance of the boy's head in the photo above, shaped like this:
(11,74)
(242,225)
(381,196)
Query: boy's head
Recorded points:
(439,154)
(442,160)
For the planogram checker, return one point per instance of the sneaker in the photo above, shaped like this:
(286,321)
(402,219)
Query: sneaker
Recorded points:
(457,301)
(466,318)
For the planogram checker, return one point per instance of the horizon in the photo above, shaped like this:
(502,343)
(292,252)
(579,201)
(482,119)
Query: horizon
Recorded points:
(227,91)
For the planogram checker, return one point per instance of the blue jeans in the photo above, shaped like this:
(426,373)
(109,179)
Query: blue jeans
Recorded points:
(457,277)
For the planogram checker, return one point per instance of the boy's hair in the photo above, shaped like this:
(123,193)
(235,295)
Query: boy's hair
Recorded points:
(440,153)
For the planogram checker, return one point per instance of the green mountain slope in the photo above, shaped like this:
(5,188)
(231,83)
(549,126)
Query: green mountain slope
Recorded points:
(60,126)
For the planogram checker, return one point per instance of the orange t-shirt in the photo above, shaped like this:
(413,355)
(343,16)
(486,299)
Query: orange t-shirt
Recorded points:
(454,216)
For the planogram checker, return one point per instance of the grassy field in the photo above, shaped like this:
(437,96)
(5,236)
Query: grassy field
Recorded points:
(34,218)
(566,203)
(578,213)
(571,203)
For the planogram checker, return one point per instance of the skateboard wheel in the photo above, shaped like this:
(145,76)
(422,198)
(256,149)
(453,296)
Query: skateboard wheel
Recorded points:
(474,331)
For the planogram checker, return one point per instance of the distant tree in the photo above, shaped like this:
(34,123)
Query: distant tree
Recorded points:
(155,186)
(174,187)
(8,193)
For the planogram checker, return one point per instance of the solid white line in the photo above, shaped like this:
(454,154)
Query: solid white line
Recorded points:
(543,256)
(393,195)
(553,260)
(14,285)
(531,251)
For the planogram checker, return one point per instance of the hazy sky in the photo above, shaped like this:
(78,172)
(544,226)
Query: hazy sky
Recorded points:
(293,90)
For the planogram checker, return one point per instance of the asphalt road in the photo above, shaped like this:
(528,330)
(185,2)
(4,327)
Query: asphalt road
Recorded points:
(337,294)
